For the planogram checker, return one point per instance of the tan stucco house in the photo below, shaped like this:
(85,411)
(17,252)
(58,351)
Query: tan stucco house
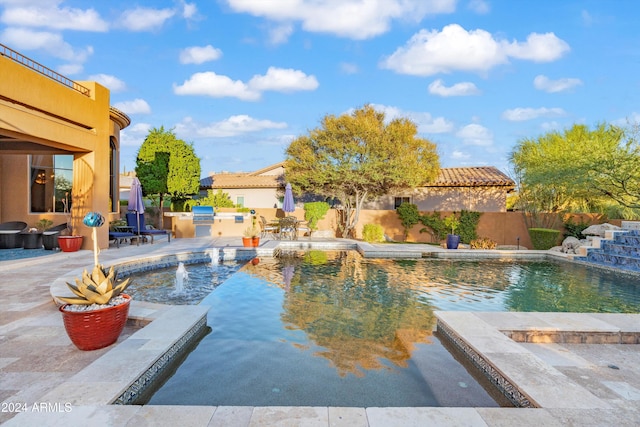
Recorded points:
(58,138)
(482,189)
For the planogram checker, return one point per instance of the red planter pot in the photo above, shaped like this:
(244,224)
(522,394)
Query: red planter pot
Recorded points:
(70,243)
(247,242)
(92,330)
(255,242)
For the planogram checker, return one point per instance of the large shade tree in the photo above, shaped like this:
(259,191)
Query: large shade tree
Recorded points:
(579,169)
(357,157)
(167,165)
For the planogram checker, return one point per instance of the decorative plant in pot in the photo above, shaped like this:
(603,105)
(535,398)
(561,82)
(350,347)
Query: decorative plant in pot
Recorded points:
(453,240)
(69,242)
(251,237)
(96,316)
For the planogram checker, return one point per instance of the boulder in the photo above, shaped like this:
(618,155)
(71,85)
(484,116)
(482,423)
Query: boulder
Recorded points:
(599,229)
(570,245)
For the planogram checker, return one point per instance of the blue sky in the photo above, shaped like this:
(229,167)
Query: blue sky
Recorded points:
(241,78)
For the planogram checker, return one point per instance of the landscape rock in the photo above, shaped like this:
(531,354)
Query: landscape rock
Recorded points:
(599,229)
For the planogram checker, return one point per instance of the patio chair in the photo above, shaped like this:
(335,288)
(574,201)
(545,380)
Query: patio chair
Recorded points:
(303,227)
(266,229)
(132,221)
(10,237)
(50,236)
(288,228)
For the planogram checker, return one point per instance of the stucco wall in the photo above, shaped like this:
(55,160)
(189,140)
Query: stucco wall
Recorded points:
(481,199)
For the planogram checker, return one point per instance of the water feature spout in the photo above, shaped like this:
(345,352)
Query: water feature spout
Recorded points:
(181,275)
(215,257)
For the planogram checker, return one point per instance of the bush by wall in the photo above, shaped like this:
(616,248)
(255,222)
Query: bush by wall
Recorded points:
(482,243)
(409,216)
(544,238)
(468,225)
(372,233)
(314,212)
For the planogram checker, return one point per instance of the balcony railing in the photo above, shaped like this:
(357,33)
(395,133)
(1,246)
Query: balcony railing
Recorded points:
(21,59)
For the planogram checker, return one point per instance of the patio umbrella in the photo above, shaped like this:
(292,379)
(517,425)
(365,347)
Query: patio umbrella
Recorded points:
(288,205)
(136,204)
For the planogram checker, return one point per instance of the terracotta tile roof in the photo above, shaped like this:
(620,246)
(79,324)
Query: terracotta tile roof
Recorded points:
(448,177)
(241,180)
(472,177)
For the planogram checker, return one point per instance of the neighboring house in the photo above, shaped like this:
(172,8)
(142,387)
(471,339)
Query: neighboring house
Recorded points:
(59,139)
(482,189)
(263,188)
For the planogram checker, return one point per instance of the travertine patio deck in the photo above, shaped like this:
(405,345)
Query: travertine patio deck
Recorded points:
(45,380)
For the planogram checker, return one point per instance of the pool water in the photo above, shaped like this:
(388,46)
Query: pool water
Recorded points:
(334,329)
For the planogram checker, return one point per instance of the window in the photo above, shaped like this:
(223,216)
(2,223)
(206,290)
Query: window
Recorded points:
(397,201)
(51,180)
(240,201)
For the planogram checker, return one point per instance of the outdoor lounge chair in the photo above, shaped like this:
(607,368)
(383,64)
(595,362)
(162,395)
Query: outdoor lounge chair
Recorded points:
(267,229)
(10,237)
(132,221)
(50,236)
(119,236)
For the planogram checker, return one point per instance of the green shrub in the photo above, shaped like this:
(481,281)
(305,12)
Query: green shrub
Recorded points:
(372,233)
(468,225)
(409,216)
(482,243)
(314,212)
(574,229)
(544,238)
(434,223)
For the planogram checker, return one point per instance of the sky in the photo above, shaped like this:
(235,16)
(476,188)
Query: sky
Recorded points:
(240,79)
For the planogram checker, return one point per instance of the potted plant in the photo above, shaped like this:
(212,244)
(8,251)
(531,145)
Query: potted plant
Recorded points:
(251,237)
(69,242)
(453,240)
(96,316)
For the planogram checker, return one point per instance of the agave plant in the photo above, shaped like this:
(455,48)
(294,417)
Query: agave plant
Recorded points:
(96,288)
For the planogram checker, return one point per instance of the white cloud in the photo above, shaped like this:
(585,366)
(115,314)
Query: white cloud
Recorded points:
(437,87)
(522,114)
(454,48)
(280,34)
(459,155)
(356,19)
(113,83)
(480,7)
(135,134)
(145,19)
(426,123)
(552,86)
(136,106)
(539,48)
(232,126)
(50,15)
(199,54)
(217,86)
(349,68)
(189,10)
(283,80)
(475,134)
(52,43)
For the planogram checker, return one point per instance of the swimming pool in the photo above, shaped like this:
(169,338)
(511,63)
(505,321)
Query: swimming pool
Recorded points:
(334,329)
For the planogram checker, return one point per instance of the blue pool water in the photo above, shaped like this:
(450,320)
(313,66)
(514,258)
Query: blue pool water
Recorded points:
(334,329)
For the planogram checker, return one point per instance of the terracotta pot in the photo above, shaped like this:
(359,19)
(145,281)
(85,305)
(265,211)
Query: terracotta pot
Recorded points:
(70,243)
(255,242)
(92,330)
(247,242)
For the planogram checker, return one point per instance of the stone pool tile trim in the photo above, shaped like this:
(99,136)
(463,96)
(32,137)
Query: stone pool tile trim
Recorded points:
(516,371)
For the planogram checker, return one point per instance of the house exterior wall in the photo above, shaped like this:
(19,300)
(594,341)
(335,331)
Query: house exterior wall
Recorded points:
(481,199)
(255,197)
(55,119)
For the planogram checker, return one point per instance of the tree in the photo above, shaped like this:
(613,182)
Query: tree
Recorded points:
(357,157)
(578,170)
(166,165)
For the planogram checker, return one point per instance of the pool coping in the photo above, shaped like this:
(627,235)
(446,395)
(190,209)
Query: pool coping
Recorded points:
(165,326)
